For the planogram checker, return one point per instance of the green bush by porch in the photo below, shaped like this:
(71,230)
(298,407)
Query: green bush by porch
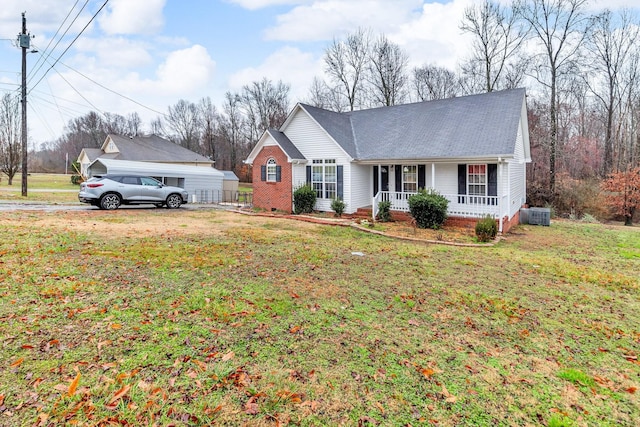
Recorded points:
(428,208)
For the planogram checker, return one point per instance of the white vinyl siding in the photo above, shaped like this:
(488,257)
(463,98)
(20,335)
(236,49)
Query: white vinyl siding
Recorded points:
(362,185)
(446,178)
(516,177)
(314,143)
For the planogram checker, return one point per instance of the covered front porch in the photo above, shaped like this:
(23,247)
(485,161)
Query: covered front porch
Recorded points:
(459,205)
(472,190)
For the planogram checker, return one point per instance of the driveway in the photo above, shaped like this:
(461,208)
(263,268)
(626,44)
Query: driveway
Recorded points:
(9,205)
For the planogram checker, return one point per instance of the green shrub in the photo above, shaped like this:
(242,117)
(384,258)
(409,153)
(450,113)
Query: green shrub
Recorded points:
(304,199)
(486,229)
(338,206)
(428,208)
(76,179)
(384,211)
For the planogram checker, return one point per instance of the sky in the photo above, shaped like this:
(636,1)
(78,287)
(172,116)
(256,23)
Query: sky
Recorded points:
(145,55)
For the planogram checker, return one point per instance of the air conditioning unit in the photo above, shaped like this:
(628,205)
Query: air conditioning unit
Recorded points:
(540,216)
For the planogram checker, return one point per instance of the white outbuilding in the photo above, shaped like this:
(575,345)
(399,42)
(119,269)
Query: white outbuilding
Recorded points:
(203,183)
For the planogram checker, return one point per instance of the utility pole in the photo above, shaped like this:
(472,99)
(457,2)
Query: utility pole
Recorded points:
(25,40)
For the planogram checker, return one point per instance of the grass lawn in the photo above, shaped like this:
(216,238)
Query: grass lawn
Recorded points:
(191,318)
(41,188)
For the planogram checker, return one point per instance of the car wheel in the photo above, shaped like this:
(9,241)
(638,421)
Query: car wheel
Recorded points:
(174,201)
(110,201)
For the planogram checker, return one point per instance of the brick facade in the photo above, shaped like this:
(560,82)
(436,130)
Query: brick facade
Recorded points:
(272,196)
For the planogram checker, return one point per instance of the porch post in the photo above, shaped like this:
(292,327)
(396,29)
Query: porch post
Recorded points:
(500,191)
(433,175)
(374,207)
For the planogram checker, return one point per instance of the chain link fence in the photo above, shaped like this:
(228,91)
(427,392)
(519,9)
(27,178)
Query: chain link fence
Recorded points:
(239,199)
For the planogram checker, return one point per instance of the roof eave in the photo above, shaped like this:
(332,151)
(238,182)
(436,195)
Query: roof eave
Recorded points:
(466,159)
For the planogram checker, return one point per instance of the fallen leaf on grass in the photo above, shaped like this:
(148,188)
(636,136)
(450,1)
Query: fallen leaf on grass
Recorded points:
(113,402)
(17,363)
(104,343)
(449,398)
(251,407)
(631,390)
(295,329)
(427,372)
(201,365)
(228,356)
(74,385)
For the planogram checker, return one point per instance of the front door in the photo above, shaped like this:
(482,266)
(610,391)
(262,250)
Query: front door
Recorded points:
(380,179)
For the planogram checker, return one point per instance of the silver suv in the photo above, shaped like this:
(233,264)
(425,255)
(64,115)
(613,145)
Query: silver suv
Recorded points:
(110,191)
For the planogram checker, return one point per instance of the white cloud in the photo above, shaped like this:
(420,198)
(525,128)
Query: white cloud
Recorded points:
(261,4)
(435,36)
(185,71)
(132,17)
(42,16)
(184,74)
(130,53)
(288,64)
(324,19)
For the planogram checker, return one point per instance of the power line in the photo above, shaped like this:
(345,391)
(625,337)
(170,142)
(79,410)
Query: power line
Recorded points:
(70,44)
(54,36)
(113,91)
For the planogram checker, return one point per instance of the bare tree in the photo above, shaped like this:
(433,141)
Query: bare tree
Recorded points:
(433,82)
(265,106)
(346,63)
(323,96)
(498,35)
(183,121)
(560,27)
(209,120)
(631,111)
(611,43)
(10,136)
(157,127)
(133,124)
(121,125)
(231,127)
(388,72)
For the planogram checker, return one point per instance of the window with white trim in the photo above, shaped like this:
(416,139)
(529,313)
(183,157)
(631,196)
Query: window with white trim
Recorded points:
(410,179)
(271,170)
(324,178)
(476,183)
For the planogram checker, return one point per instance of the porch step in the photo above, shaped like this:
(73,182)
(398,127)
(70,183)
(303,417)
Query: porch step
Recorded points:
(364,213)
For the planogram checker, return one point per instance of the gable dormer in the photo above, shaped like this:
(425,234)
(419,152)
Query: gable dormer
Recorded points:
(110,146)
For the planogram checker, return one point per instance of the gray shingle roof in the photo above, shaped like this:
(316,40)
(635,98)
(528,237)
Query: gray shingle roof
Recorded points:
(92,153)
(468,126)
(286,144)
(153,149)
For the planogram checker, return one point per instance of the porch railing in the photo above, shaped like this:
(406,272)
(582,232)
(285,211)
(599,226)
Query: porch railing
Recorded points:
(459,204)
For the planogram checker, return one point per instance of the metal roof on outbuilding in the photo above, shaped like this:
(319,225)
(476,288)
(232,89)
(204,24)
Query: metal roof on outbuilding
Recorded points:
(149,168)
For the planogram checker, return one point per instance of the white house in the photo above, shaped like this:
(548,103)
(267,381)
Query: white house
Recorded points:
(473,150)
